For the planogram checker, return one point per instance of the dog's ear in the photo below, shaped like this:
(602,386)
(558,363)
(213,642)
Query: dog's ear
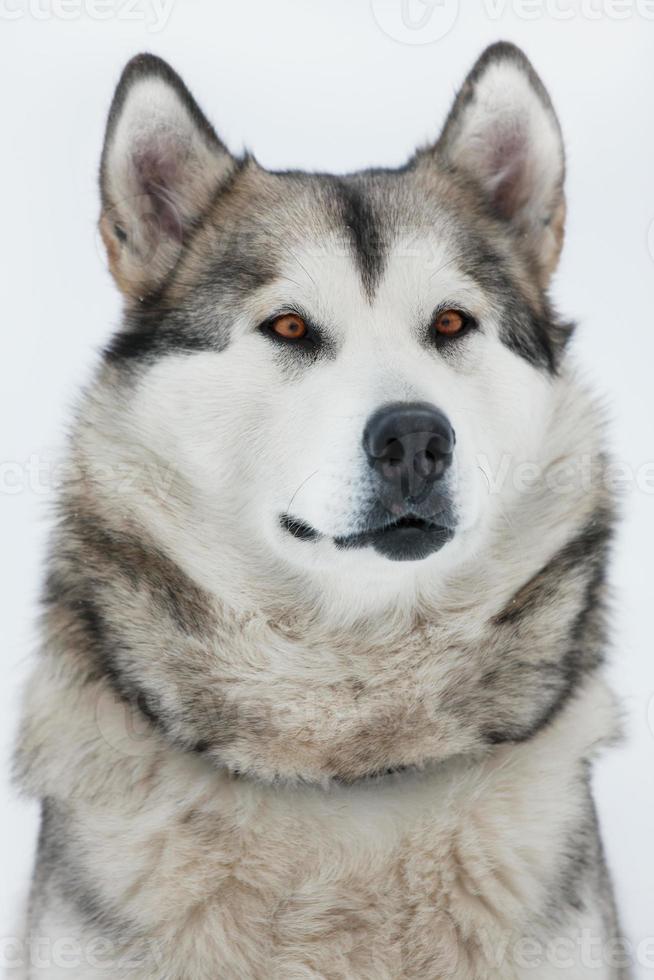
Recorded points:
(161,165)
(503,133)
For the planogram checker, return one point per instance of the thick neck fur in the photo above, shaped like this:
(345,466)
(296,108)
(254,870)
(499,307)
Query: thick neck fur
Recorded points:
(272,686)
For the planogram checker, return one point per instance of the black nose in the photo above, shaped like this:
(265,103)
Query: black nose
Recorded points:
(410,445)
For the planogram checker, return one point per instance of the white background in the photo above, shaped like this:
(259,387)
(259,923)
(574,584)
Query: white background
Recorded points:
(321,85)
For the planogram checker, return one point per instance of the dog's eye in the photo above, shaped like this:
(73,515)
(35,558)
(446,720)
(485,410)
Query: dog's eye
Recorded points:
(293,332)
(449,323)
(289,326)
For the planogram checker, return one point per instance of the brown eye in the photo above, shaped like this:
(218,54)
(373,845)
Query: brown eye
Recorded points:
(289,326)
(449,323)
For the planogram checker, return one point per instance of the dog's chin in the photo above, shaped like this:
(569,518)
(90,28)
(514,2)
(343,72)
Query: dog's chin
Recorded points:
(408,538)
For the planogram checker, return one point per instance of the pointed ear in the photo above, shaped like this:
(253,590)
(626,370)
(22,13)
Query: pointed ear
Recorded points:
(161,165)
(503,133)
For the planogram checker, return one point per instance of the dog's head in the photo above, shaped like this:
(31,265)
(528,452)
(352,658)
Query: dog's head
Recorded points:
(337,366)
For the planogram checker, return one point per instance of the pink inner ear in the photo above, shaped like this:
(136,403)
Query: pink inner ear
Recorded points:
(159,174)
(506,167)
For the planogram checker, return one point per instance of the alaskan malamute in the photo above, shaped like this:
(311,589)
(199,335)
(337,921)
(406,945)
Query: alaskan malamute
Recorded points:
(319,686)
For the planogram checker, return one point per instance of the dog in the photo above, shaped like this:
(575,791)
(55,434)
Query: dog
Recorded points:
(320,683)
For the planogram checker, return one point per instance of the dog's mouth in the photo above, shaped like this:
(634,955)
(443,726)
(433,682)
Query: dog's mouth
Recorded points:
(408,538)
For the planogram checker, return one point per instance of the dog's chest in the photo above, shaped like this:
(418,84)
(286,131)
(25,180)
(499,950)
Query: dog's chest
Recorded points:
(410,877)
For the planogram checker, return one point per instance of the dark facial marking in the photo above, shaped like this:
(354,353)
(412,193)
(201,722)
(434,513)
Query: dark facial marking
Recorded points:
(299,530)
(364,230)
(539,338)
(145,337)
(154,329)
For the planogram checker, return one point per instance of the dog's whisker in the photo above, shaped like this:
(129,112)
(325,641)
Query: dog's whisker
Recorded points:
(303,484)
(485,476)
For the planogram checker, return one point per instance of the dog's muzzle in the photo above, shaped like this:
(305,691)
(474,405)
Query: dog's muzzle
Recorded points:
(409,447)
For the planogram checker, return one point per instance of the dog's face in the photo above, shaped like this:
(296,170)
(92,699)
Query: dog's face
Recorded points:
(339,369)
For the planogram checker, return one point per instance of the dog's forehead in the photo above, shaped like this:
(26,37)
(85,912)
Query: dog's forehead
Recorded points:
(419,272)
(369,239)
